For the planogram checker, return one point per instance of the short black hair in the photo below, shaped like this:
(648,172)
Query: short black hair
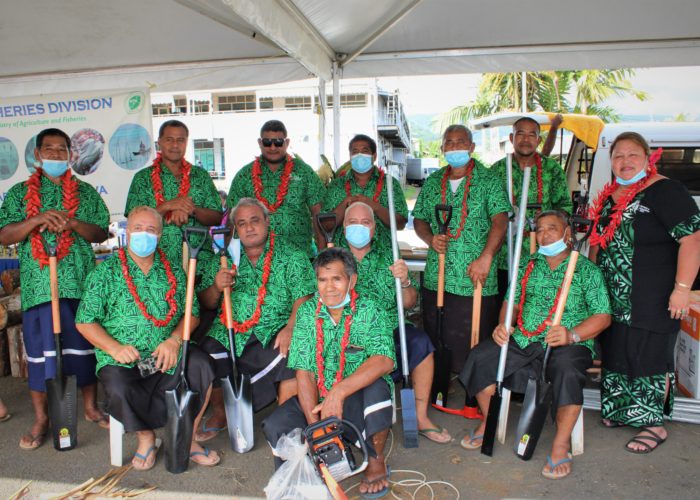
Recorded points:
(273,126)
(51,132)
(364,138)
(336,254)
(172,123)
(527,119)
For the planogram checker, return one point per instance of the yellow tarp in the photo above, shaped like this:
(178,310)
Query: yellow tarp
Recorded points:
(585,127)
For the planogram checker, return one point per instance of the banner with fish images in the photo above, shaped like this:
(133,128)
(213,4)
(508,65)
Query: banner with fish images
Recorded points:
(110,135)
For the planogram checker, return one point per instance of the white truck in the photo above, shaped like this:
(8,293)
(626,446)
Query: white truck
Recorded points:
(419,169)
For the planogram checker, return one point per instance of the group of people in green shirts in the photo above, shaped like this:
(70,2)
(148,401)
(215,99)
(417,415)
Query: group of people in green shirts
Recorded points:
(321,339)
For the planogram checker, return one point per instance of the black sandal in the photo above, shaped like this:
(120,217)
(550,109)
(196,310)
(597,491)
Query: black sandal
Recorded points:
(642,439)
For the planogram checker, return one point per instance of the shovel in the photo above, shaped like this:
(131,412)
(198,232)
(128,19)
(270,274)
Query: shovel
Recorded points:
(327,221)
(492,419)
(443,354)
(181,401)
(538,395)
(62,391)
(238,393)
(409,417)
(533,226)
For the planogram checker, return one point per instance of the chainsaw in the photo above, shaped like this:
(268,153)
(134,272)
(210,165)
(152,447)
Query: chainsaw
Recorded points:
(331,452)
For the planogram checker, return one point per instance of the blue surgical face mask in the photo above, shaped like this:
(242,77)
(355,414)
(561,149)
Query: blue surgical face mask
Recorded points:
(357,235)
(361,163)
(638,177)
(54,168)
(142,243)
(553,248)
(342,303)
(457,158)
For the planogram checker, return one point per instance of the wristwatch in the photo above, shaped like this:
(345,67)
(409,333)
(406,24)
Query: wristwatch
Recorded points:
(575,337)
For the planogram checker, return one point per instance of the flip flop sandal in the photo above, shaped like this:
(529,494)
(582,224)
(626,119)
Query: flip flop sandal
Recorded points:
(381,493)
(206,454)
(426,433)
(6,417)
(37,440)
(153,449)
(553,475)
(468,444)
(205,430)
(643,440)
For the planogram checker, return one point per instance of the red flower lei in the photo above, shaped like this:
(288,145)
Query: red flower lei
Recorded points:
(619,208)
(281,190)
(169,296)
(320,361)
(467,186)
(377,192)
(158,183)
(71,200)
(262,292)
(538,163)
(523,288)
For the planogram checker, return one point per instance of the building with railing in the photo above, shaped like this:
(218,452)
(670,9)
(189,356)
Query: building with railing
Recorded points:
(225,124)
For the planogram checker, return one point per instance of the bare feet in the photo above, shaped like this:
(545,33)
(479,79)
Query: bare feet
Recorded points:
(376,477)
(4,415)
(93,414)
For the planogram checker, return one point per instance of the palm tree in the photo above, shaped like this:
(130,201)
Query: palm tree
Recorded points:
(549,91)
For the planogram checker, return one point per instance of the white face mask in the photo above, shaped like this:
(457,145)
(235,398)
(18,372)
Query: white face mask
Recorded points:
(234,250)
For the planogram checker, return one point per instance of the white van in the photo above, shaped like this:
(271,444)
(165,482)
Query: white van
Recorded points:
(588,171)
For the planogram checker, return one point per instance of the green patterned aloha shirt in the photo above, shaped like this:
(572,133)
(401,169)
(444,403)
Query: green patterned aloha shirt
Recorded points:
(291,277)
(588,296)
(487,198)
(292,220)
(108,302)
(203,194)
(555,196)
(74,267)
(370,335)
(335,194)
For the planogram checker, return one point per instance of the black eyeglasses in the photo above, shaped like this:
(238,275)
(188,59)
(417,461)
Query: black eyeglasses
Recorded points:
(266,142)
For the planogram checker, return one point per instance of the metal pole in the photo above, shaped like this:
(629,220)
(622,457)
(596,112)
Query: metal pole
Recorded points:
(509,237)
(321,117)
(336,116)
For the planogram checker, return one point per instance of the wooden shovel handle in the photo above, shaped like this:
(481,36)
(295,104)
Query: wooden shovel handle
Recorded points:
(533,242)
(476,314)
(565,287)
(441,280)
(55,310)
(227,297)
(189,299)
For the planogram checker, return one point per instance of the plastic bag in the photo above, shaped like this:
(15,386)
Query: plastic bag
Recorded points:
(297,478)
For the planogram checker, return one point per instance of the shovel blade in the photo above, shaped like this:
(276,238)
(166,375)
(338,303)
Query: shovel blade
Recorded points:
(62,396)
(409,418)
(538,398)
(441,377)
(239,413)
(491,424)
(181,408)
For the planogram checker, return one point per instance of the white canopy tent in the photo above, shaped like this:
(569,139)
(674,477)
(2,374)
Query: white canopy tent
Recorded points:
(72,45)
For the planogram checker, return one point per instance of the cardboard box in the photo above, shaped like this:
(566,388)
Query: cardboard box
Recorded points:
(688,352)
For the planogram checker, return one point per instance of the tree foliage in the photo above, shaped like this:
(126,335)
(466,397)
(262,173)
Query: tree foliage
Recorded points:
(581,91)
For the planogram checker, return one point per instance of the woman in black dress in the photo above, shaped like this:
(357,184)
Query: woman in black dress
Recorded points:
(647,242)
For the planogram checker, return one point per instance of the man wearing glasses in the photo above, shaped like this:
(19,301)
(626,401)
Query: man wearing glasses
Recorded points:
(287,186)
(54,206)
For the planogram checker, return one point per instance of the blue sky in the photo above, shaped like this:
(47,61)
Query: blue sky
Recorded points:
(671,90)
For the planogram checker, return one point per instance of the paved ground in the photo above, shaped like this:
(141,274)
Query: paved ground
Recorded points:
(604,471)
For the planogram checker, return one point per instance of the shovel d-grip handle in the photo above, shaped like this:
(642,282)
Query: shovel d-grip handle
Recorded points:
(579,222)
(220,231)
(187,233)
(322,220)
(443,223)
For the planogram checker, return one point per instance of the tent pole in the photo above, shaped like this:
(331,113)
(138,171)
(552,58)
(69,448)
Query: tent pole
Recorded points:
(321,117)
(336,115)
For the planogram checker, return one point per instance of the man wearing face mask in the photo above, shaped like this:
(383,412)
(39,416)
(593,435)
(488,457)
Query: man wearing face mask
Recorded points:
(365,182)
(55,206)
(343,351)
(268,285)
(289,188)
(548,186)
(476,231)
(375,278)
(587,314)
(183,194)
(132,311)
